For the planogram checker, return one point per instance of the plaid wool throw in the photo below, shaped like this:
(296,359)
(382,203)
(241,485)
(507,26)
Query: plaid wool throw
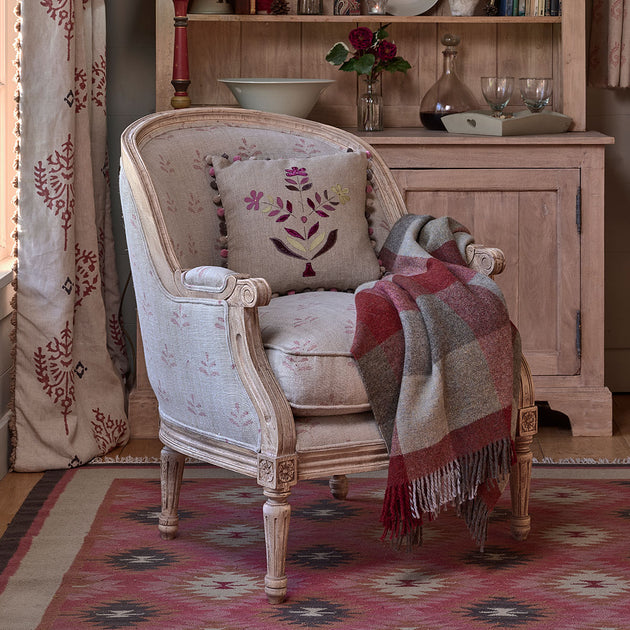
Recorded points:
(440,361)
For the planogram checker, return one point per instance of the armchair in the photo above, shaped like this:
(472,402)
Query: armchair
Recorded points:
(236,385)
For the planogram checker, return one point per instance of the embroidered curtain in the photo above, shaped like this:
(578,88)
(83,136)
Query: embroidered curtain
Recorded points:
(68,390)
(609,64)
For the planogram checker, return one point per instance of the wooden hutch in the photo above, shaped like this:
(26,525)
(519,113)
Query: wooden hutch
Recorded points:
(540,198)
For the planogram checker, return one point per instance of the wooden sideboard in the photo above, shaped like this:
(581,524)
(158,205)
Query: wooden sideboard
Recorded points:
(539,198)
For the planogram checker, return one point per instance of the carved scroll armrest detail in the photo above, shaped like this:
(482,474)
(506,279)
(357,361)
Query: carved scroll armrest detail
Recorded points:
(487,260)
(250,292)
(222,284)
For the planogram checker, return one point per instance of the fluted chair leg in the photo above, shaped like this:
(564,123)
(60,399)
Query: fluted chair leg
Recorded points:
(171,473)
(520,481)
(338,485)
(276,513)
(521,473)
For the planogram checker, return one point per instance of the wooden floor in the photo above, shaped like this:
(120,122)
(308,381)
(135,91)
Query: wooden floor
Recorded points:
(554,441)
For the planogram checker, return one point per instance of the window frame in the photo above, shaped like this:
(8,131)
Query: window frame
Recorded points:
(8,121)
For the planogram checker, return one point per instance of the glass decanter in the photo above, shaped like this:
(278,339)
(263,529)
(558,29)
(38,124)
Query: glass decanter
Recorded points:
(448,95)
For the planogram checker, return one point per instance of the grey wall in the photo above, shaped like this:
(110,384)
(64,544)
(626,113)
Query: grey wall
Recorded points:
(130,95)
(608,111)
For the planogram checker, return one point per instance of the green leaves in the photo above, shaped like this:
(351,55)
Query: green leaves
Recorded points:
(337,54)
(360,65)
(398,64)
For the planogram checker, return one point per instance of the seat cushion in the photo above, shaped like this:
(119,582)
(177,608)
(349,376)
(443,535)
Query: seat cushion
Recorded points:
(308,337)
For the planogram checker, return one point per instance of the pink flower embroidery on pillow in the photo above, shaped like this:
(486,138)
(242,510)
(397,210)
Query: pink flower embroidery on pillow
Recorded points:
(305,237)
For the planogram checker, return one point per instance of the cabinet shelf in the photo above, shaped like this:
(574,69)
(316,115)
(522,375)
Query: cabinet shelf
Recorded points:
(374,19)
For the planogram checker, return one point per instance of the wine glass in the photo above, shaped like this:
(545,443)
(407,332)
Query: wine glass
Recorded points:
(536,93)
(497,91)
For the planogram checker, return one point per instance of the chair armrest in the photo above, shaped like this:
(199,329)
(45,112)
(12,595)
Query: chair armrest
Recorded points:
(207,278)
(243,295)
(218,283)
(489,261)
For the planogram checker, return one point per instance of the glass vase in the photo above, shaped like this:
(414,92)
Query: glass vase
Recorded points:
(449,95)
(370,106)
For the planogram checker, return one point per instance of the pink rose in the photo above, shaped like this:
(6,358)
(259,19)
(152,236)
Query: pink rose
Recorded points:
(360,38)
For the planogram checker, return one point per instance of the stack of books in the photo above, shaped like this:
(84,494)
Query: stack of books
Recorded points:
(530,7)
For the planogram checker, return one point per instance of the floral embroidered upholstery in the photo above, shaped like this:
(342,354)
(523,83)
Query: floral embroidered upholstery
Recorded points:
(307,337)
(298,222)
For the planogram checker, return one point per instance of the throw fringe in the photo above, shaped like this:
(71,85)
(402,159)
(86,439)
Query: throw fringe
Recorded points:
(470,482)
(583,461)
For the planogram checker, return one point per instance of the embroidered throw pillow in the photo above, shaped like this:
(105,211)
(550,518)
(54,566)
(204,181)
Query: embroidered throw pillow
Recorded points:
(300,222)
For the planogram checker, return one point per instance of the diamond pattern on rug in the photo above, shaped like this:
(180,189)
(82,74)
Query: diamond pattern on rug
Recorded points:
(504,612)
(563,495)
(322,557)
(312,613)
(409,584)
(595,584)
(121,613)
(496,558)
(234,535)
(223,585)
(327,510)
(570,573)
(578,535)
(142,559)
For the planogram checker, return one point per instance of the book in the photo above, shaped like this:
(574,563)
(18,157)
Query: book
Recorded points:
(245,7)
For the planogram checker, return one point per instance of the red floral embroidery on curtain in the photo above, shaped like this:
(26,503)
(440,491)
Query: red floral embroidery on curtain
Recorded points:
(62,12)
(55,371)
(108,432)
(55,184)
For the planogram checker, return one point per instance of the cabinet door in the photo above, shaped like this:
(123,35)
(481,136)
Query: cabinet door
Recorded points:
(531,215)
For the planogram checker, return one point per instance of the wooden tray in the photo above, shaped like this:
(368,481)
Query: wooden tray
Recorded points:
(522,123)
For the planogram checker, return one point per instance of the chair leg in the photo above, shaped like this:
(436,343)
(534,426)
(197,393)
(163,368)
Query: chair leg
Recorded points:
(338,485)
(520,481)
(171,472)
(521,473)
(276,513)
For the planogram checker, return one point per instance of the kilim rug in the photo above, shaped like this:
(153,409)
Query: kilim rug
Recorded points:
(84,553)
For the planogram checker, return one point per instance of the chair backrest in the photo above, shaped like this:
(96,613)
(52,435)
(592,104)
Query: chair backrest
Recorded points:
(168,152)
(172,225)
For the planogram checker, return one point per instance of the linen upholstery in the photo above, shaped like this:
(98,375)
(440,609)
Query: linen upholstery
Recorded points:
(307,337)
(298,222)
(187,358)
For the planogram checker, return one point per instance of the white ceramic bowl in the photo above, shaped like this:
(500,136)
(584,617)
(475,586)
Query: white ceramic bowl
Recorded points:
(295,97)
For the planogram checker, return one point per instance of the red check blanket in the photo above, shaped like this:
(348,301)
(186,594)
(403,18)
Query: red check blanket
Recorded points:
(440,361)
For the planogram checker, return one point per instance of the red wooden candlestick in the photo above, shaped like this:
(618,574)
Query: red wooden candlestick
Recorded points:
(181,76)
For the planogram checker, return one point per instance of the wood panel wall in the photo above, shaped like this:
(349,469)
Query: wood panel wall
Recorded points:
(221,48)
